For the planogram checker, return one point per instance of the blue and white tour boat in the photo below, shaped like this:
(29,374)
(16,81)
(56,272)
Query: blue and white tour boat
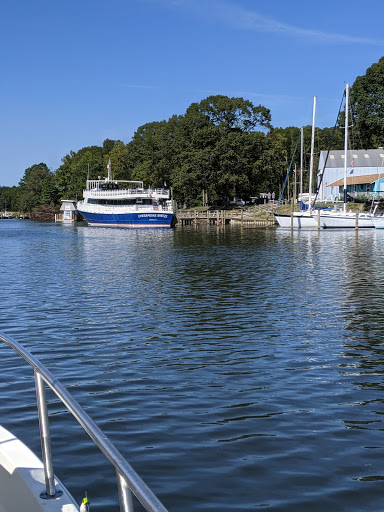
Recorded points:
(121,203)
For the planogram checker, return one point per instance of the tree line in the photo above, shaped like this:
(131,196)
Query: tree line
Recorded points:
(220,148)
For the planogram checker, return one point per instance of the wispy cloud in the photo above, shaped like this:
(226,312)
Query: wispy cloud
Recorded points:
(240,18)
(251,20)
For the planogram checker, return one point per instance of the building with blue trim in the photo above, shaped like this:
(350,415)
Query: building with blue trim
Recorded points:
(365,173)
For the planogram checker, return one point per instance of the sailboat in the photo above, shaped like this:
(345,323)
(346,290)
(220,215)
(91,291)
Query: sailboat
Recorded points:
(303,218)
(343,218)
(6,215)
(377,220)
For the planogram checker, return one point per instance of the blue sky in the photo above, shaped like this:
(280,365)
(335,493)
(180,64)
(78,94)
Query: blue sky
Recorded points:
(77,72)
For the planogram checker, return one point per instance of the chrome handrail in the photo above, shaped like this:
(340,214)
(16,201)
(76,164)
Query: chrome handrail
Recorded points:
(127,479)
(119,193)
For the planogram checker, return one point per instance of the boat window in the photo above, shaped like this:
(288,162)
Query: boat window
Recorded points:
(109,186)
(112,202)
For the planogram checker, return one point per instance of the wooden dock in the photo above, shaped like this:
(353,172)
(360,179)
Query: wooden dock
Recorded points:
(225,217)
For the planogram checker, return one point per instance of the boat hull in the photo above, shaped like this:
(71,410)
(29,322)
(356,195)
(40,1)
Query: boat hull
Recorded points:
(328,220)
(129,220)
(22,480)
(332,220)
(378,222)
(296,221)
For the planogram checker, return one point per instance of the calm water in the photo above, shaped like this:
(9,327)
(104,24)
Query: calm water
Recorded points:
(236,369)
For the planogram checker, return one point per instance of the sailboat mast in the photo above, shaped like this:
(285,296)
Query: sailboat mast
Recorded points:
(301,161)
(346,145)
(312,151)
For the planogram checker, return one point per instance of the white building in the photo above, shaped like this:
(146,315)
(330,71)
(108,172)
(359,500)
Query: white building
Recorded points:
(365,167)
(68,211)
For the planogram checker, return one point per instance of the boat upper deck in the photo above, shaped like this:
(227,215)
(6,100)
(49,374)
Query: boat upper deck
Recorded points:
(120,188)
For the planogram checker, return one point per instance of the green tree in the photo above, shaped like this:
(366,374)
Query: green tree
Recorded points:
(119,161)
(108,145)
(71,176)
(233,114)
(31,186)
(271,168)
(367,102)
(9,197)
(152,152)
(49,190)
(218,129)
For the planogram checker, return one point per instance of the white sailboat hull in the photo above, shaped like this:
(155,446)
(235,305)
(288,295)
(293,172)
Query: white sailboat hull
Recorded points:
(378,222)
(332,219)
(298,220)
(329,220)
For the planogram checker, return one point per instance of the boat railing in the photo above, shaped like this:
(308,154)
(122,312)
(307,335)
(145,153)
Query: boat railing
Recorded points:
(138,192)
(128,481)
(160,208)
(120,183)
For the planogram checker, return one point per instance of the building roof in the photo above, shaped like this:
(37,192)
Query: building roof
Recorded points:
(68,204)
(357,180)
(356,158)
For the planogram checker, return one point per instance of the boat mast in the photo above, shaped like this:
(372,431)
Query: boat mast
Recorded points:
(346,145)
(312,151)
(109,169)
(301,161)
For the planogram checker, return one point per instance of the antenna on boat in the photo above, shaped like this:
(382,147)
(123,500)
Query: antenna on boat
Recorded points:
(109,169)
